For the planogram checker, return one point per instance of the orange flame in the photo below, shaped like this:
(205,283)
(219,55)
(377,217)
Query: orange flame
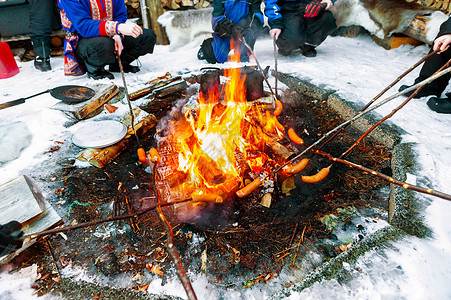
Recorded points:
(220,129)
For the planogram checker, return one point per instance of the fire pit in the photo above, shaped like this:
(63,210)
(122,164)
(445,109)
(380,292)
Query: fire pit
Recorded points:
(306,230)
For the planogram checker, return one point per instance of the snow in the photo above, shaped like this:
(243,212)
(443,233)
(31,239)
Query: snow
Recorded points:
(358,69)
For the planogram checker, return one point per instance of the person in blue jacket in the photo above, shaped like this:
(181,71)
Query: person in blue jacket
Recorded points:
(235,19)
(96,31)
(300,24)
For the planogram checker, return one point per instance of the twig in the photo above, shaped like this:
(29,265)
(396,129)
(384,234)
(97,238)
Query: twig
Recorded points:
(49,246)
(95,222)
(297,249)
(294,232)
(405,185)
(170,242)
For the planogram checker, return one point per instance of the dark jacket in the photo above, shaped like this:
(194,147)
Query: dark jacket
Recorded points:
(273,11)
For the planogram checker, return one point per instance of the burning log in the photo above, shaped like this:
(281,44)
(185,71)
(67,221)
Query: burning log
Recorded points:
(241,164)
(210,171)
(176,178)
(277,148)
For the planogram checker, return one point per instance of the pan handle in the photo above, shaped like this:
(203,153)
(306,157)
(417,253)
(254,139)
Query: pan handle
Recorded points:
(25,98)
(20,100)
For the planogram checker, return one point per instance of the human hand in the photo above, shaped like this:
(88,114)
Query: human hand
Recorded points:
(118,46)
(442,43)
(274,33)
(329,4)
(130,29)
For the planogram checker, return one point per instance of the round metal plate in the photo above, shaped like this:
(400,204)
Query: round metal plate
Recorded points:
(99,134)
(72,93)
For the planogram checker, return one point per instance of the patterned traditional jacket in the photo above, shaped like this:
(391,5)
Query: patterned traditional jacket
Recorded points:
(88,18)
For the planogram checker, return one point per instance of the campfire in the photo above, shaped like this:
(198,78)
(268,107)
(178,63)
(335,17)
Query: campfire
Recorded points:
(223,143)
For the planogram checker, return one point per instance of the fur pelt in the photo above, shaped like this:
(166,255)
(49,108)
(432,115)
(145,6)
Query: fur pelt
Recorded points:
(394,15)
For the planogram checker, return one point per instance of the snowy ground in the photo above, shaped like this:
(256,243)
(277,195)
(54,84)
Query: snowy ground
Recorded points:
(358,69)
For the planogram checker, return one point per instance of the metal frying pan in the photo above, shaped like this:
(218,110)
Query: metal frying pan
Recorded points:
(67,93)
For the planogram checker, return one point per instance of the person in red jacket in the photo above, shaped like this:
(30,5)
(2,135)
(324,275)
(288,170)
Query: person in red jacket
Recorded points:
(435,88)
(96,31)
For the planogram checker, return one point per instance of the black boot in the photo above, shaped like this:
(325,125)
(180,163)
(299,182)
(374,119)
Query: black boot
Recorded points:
(127,68)
(42,64)
(308,51)
(440,105)
(41,49)
(100,74)
(97,73)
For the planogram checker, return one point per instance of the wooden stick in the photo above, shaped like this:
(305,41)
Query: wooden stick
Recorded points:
(297,249)
(260,67)
(383,92)
(361,114)
(170,242)
(275,65)
(405,185)
(392,113)
(95,222)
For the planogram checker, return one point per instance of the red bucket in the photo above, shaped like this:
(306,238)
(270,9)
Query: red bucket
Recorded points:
(8,66)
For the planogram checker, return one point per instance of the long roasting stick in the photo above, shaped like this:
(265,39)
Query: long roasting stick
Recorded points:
(170,241)
(405,185)
(361,114)
(383,92)
(259,67)
(392,113)
(275,65)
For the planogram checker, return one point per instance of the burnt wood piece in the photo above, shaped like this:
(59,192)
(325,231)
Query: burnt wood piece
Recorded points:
(106,155)
(173,87)
(88,153)
(242,166)
(210,170)
(95,106)
(153,84)
(282,153)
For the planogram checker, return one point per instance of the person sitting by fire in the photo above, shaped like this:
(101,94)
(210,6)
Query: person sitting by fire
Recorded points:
(96,30)
(435,88)
(300,24)
(232,19)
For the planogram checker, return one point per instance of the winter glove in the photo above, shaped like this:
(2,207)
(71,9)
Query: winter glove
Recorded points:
(314,8)
(225,27)
(9,235)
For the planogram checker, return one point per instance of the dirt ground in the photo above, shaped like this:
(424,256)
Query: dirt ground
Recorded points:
(251,245)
